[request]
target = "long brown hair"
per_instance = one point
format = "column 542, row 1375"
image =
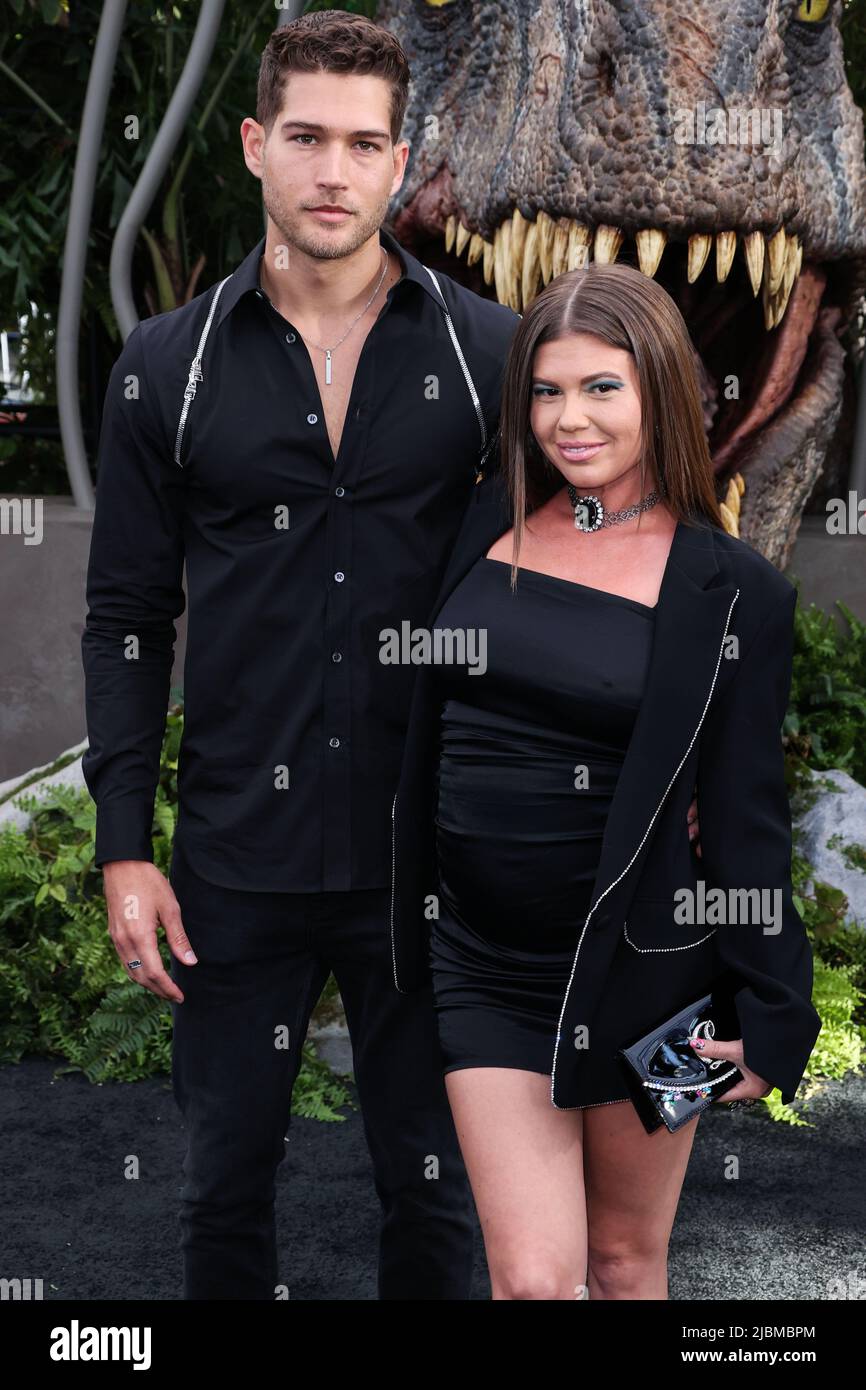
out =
column 631, row 311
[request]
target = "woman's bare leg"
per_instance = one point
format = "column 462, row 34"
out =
column 525, row 1163
column 633, row 1182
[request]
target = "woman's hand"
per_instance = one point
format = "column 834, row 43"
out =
column 694, row 828
column 752, row 1087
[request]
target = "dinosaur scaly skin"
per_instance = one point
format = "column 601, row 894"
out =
column 548, row 133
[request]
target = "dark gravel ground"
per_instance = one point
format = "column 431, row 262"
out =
column 791, row 1224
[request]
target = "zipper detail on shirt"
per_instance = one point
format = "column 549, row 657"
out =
column 634, row 856
column 462, row 360
column 195, row 373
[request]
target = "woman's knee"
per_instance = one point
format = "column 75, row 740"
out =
column 534, row 1276
column 626, row 1264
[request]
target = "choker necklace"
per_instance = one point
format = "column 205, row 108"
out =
column 590, row 515
column 328, row 350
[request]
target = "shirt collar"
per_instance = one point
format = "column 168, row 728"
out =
column 245, row 279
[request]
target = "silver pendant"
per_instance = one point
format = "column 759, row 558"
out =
column 327, row 366
column 588, row 513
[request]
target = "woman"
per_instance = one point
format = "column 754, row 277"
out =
column 633, row 650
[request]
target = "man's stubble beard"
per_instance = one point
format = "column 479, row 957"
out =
column 293, row 233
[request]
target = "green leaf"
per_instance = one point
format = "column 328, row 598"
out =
column 163, row 814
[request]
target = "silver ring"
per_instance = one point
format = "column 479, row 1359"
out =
column 134, row 964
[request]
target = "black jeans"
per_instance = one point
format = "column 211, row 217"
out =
column 263, row 960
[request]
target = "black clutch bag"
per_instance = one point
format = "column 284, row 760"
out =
column 671, row 1083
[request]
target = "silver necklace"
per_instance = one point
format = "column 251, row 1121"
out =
column 590, row 515
column 328, row 350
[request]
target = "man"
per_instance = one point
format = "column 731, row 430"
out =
column 313, row 478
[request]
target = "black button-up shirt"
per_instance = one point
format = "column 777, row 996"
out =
column 295, row 564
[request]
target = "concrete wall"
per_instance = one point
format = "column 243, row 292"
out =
column 43, row 608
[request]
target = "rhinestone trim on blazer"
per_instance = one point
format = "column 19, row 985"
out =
column 645, row 949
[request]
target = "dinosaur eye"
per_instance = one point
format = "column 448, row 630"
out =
column 812, row 11
column 437, row 4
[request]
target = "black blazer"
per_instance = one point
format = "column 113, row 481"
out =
column 707, row 719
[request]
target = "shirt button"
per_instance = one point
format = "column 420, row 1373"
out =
column 334, row 742
column 339, row 491
column 312, row 419
column 339, row 576
column 290, row 337
column 336, row 656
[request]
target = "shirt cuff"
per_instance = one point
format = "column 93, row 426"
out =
column 124, row 830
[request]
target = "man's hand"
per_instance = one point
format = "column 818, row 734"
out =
column 138, row 896
column 694, row 828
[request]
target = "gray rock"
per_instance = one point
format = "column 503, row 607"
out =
column 830, row 832
column 332, row 1044
column 37, row 782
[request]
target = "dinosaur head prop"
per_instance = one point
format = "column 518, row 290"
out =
column 717, row 147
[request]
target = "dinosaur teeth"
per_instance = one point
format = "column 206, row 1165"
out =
column 525, row 254
column 560, row 246
column 753, row 250
column 508, row 247
column 726, row 246
column 501, row 258
column 489, row 256
column 579, row 242
column 608, row 240
column 650, row 245
column 777, row 247
column 476, row 248
column 519, row 228
column 531, row 268
column 775, row 302
column 699, row 250
column 546, row 236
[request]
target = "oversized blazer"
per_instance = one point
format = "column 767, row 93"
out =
column 715, row 697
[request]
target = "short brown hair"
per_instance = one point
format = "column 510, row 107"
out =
column 331, row 41
column 631, row 311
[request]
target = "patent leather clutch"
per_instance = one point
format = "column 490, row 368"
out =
column 670, row 1082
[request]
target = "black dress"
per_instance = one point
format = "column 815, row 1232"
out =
column 530, row 752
